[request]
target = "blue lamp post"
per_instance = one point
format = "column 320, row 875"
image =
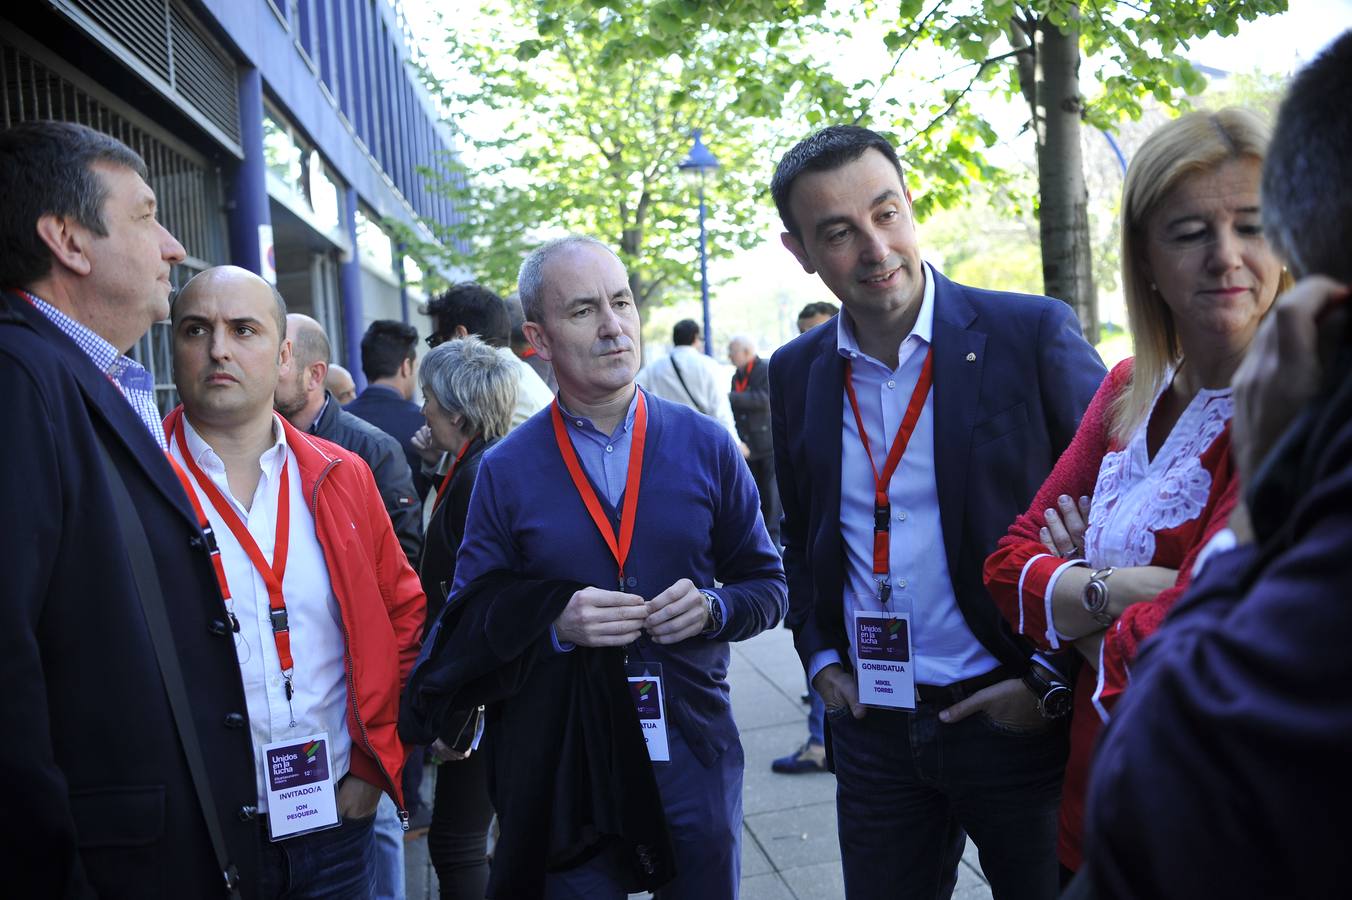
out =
column 696, row 163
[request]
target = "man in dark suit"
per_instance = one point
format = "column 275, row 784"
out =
column 893, row 494
column 750, row 399
column 389, row 354
column 99, row 797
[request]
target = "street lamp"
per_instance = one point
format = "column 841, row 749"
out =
column 696, row 163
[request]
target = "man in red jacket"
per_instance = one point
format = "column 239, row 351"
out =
column 325, row 607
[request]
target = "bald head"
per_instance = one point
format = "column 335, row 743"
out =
column 340, row 383
column 309, row 343
column 300, row 398
column 230, row 279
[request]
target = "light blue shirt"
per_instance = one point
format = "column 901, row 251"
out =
column 605, row 460
column 604, row 457
column 129, row 376
column 943, row 647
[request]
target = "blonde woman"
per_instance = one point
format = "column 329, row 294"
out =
column 1109, row 542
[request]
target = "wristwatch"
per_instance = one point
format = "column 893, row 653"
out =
column 1095, row 596
column 713, row 613
column 1053, row 695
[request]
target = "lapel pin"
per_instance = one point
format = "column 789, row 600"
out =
column 971, row 357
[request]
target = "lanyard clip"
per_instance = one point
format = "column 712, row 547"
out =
column 882, row 517
column 278, row 617
column 884, row 591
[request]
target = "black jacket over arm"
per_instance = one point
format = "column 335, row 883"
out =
column 568, row 765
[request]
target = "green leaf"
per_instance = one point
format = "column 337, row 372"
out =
column 528, row 50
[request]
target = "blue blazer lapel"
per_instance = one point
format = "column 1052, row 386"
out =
column 959, row 358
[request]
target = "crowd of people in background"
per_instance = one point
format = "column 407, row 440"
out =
column 1090, row 619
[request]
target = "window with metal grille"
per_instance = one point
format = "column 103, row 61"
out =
column 174, row 52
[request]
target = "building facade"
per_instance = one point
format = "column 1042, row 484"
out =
column 280, row 135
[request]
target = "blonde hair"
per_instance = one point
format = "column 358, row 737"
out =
column 1197, row 142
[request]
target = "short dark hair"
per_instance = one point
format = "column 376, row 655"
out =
column 828, row 149
column 385, row 346
column 819, row 308
column 46, row 169
column 479, row 310
column 685, row 333
column 1307, row 177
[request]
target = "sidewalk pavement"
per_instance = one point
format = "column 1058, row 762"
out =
column 789, row 846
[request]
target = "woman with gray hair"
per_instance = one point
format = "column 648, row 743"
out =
column 469, row 392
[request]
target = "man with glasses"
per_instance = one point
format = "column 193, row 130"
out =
column 469, row 308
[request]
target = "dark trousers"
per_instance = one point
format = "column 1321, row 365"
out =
column 335, row 864
column 910, row 788
column 763, row 473
column 704, row 809
column 458, row 841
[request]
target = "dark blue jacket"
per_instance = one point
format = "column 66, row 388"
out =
column 698, row 518
column 1012, row 377
column 1220, row 773
column 97, row 797
column 386, row 409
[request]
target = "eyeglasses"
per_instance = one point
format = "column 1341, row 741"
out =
column 435, row 339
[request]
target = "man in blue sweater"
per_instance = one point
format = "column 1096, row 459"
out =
column 652, row 504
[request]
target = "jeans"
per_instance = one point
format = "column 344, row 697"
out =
column 704, row 811
column 908, row 786
column 336, row 864
column 816, row 715
column 389, row 852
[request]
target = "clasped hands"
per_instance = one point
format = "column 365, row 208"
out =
column 595, row 617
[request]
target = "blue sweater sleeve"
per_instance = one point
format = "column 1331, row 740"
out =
column 754, row 593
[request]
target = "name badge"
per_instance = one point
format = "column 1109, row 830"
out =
column 301, row 795
column 645, row 686
column 883, row 645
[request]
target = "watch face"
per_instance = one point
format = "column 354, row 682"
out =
column 1057, row 702
column 1095, row 597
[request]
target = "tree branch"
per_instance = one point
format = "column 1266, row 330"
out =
column 965, row 91
column 918, row 28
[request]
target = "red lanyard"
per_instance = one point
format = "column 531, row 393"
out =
column 272, row 574
column 740, row 382
column 618, row 548
column 451, row 471
column 882, row 507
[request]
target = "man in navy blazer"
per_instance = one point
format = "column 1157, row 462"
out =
column 99, row 799
column 950, row 735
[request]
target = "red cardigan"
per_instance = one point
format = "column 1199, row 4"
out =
column 379, row 596
column 1018, row 572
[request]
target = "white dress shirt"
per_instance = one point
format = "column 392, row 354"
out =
column 319, row 679
column 706, row 381
column 532, row 394
column 943, row 647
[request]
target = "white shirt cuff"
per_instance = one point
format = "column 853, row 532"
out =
column 820, row 660
column 1054, row 636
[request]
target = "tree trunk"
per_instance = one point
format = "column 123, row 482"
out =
column 1067, row 255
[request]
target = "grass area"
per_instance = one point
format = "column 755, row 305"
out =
column 1114, row 348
